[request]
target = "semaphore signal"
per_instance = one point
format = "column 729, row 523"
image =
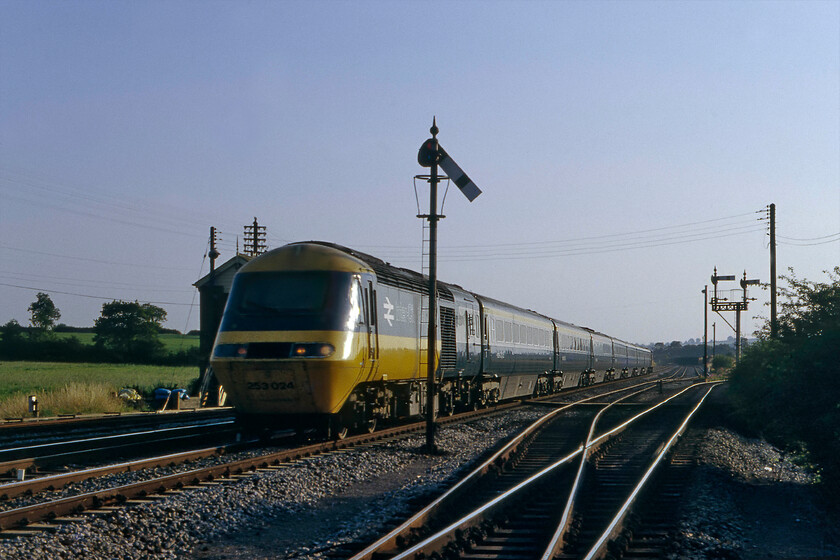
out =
column 432, row 155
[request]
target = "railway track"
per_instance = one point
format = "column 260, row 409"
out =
column 46, row 449
column 47, row 513
column 560, row 490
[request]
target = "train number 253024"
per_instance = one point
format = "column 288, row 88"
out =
column 276, row 386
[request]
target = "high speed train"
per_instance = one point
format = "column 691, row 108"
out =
column 316, row 335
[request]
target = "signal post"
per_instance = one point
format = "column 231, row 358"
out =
column 432, row 155
column 724, row 304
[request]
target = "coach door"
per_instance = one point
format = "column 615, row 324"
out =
column 372, row 325
column 469, row 360
column 371, row 333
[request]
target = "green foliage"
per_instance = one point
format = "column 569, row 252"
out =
column 128, row 331
column 789, row 388
column 44, row 313
column 722, row 361
column 684, row 354
column 75, row 346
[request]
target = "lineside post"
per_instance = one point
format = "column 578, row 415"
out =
column 432, row 155
column 705, row 330
column 432, row 338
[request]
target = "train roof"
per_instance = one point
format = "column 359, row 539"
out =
column 411, row 280
column 391, row 275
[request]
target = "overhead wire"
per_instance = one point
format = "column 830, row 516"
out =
column 796, row 244
column 594, row 251
column 74, row 200
column 92, row 296
column 610, row 235
column 654, row 237
column 88, row 259
column 86, row 283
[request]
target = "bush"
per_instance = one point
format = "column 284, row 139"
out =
column 722, row 361
column 788, row 388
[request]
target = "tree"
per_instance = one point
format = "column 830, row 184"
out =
column 44, row 312
column 13, row 345
column 129, row 330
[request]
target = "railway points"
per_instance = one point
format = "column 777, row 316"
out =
column 521, row 485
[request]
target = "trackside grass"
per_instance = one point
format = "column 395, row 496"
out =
column 68, row 388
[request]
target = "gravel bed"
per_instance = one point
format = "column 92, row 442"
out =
column 748, row 500
column 196, row 523
column 118, row 479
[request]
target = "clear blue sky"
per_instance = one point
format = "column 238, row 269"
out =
column 623, row 148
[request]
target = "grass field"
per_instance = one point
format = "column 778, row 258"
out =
column 65, row 388
column 172, row 342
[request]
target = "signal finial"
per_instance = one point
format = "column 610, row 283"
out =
column 434, row 129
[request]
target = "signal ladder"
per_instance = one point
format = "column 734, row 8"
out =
column 424, row 302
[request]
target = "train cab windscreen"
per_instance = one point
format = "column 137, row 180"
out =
column 297, row 300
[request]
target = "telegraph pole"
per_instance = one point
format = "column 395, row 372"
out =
column 774, row 325
column 254, row 239
column 213, row 254
column 705, row 330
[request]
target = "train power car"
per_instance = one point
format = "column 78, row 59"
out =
column 316, row 335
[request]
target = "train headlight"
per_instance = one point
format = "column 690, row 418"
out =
column 313, row 350
column 230, row 351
